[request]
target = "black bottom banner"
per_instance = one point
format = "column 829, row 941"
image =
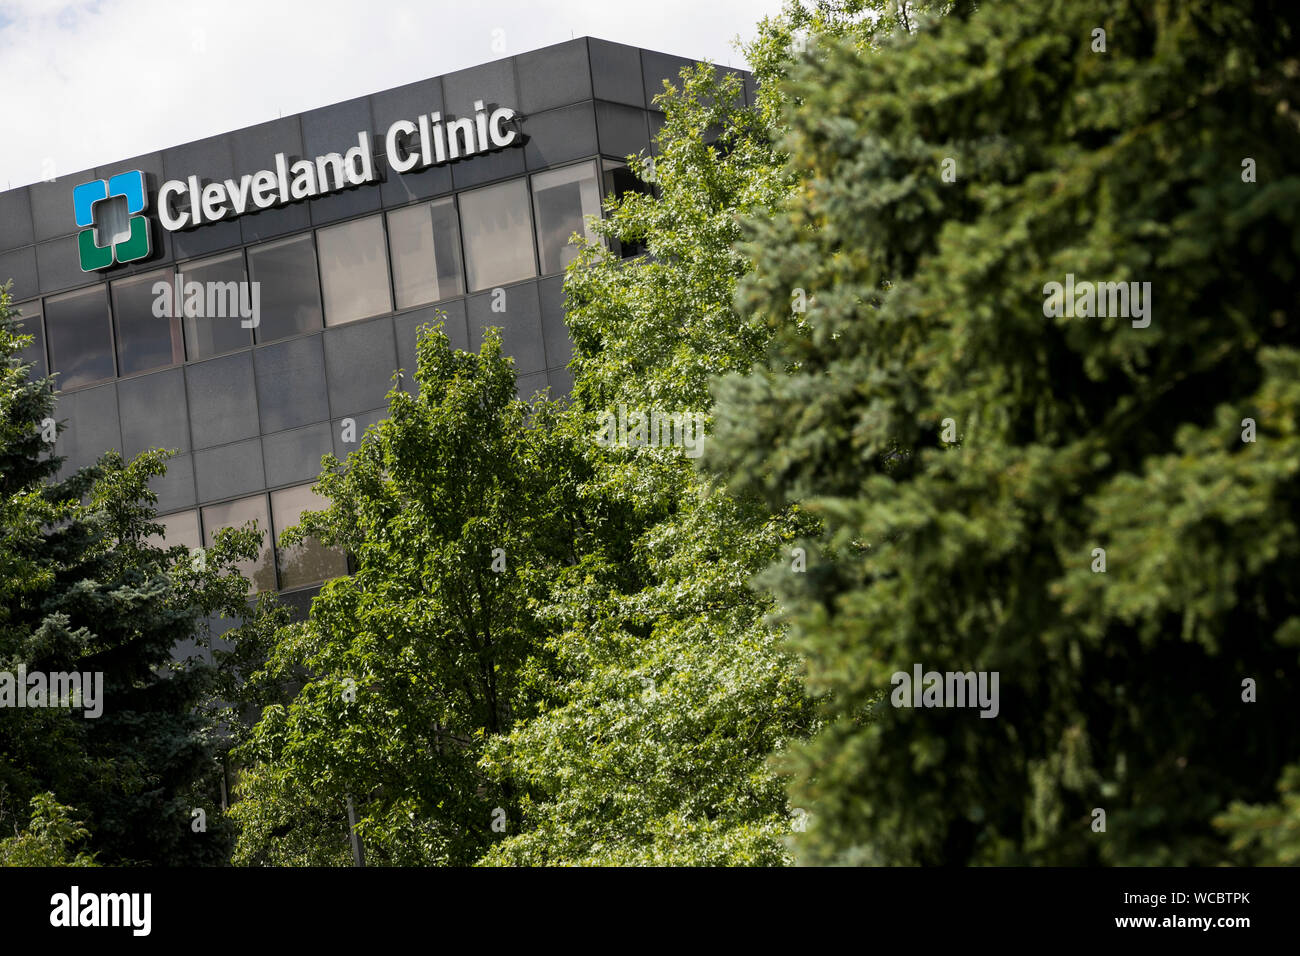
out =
column 131, row 906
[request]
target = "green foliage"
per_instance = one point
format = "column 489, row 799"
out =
column 672, row 695
column 457, row 508
column 803, row 27
column 49, row 839
column 1267, row 834
column 1119, row 690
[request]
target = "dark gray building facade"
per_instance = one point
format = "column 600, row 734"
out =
column 503, row 161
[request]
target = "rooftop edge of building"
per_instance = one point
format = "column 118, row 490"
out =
column 609, row 86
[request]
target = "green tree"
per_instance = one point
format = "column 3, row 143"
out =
column 50, row 838
column 84, row 588
column 457, row 508
column 967, row 453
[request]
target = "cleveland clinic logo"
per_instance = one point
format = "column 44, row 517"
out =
column 111, row 228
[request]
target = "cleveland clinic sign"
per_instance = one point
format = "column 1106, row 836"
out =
column 409, row 146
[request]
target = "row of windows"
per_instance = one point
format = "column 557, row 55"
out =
column 307, row 563
column 408, row 257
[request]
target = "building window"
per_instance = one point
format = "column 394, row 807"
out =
column 80, row 338
column 563, row 198
column 234, row 514
column 619, row 180
column 498, row 235
column 424, row 243
column 179, row 528
column 144, row 341
column 309, row 561
column 29, row 323
column 290, row 292
column 207, row 336
column 354, row 270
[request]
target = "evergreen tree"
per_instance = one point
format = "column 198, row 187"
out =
column 84, row 589
column 979, row 450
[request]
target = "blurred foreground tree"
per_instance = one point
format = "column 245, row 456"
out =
column 1100, row 506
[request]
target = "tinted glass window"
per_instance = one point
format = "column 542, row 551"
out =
column 498, row 235
column 29, row 323
column 425, row 245
column 144, row 340
column 209, row 334
column 79, row 335
column 354, row 270
column 234, row 514
column 563, row 198
column 290, row 294
column 179, row 528
column 619, row 180
column 308, row 562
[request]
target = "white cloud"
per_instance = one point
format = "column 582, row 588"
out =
column 89, row 83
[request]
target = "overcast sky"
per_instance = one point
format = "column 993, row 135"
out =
column 87, row 83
